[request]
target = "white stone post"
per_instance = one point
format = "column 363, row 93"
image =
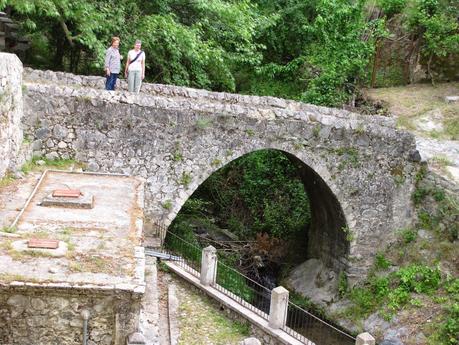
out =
column 209, row 266
column 278, row 308
column 365, row 339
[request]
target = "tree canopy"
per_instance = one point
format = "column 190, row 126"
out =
column 318, row 51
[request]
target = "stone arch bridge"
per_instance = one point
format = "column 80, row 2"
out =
column 358, row 170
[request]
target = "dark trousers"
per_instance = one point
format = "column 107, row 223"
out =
column 111, row 81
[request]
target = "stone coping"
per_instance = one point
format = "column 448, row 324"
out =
column 281, row 108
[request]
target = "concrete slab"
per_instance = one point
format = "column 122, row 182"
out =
column 85, row 201
column 101, row 243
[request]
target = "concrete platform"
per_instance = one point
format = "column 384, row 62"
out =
column 103, row 244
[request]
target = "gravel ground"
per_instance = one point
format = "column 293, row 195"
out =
column 201, row 322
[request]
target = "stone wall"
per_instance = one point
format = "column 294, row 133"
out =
column 42, row 316
column 358, row 170
column 11, row 110
column 438, row 200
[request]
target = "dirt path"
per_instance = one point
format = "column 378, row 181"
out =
column 422, row 110
column 200, row 319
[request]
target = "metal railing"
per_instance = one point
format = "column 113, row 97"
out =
column 304, row 326
column 300, row 324
column 190, row 254
column 243, row 290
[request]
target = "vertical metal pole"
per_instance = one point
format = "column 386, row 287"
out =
column 85, row 315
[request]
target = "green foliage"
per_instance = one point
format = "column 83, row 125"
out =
column 194, row 43
column 314, row 50
column 381, row 263
column 408, row 235
column 300, row 300
column 390, row 293
column 421, row 174
column 6, row 180
column 177, row 155
column 167, row 204
column 452, row 287
column 162, row 266
column 419, row 194
column 438, row 194
column 350, row 157
column 435, row 23
column 452, row 128
column 233, row 281
column 349, row 233
column 343, row 285
column 451, row 326
column 425, row 220
column 250, row 132
column 447, row 332
column 48, row 163
column 260, row 192
column 392, row 7
column 185, row 179
column 419, row 278
column 216, row 162
column 183, row 242
column 8, row 229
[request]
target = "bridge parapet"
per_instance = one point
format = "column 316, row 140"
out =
column 267, row 107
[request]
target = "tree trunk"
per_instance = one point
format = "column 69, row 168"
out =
column 430, row 71
column 412, row 58
column 375, row 64
column 58, row 60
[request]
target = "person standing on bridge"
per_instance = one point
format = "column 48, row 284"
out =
column 112, row 64
column 135, row 67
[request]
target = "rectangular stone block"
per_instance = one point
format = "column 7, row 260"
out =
column 85, row 201
column 42, row 243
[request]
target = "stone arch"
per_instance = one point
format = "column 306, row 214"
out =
column 327, row 236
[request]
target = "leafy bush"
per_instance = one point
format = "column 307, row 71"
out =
column 392, row 7
column 420, row 194
column 408, row 235
column 452, row 287
column 419, row 278
column 381, row 263
column 390, row 293
column 450, row 328
column 233, row 281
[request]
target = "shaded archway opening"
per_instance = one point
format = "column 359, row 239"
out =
column 328, row 232
column 233, row 211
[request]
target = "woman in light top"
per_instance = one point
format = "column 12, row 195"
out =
column 135, row 67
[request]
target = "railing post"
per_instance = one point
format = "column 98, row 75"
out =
column 278, row 307
column 209, row 266
column 365, row 339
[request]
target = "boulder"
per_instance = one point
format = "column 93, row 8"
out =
column 315, row 281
